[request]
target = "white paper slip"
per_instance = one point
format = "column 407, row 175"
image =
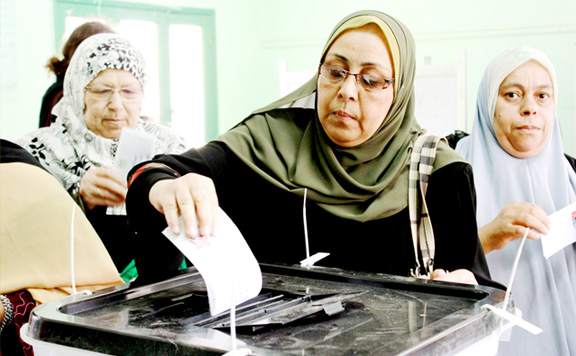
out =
column 227, row 265
column 310, row 261
column 562, row 231
column 514, row 319
column 116, row 210
column 135, row 146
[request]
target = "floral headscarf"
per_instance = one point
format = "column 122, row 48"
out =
column 94, row 55
column 68, row 148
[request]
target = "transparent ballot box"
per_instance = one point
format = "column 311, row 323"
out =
column 317, row 311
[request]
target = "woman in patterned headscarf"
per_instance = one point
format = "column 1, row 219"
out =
column 342, row 142
column 103, row 91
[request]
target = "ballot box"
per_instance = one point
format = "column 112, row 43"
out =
column 300, row 311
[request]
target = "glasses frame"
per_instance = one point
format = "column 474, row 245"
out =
column 324, row 66
column 101, row 97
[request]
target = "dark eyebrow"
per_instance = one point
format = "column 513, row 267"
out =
column 518, row 85
column 544, row 86
column 363, row 64
column 112, row 86
column 102, row 84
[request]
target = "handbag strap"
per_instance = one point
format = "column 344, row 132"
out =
column 421, row 163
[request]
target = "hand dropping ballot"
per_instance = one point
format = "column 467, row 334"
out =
column 229, row 269
column 562, row 231
column 135, row 146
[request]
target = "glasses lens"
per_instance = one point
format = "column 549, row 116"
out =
column 373, row 81
column 128, row 93
column 334, row 74
column 370, row 79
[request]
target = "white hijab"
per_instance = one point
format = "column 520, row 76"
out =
column 545, row 289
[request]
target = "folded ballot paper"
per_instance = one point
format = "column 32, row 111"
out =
column 227, row 265
column 562, row 231
column 135, row 146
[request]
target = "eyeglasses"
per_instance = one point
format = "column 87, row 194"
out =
column 105, row 93
column 369, row 79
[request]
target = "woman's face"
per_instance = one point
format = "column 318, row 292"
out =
column 349, row 113
column 524, row 111
column 112, row 101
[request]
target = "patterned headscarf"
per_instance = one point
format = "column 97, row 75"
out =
column 94, row 55
column 68, row 148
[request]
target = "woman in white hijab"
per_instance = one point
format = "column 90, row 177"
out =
column 521, row 175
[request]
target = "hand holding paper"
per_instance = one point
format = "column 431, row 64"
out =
column 102, row 186
column 229, row 269
column 562, row 231
column 134, row 147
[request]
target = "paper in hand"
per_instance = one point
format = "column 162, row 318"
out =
column 135, row 146
column 562, row 231
column 227, row 265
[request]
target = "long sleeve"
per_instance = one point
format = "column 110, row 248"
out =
column 451, row 198
column 271, row 219
column 188, row 162
column 157, row 258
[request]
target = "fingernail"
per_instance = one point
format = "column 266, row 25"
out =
column 192, row 232
column 206, row 232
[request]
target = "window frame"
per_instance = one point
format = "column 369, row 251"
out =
column 113, row 10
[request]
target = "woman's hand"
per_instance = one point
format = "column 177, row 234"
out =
column 457, row 276
column 193, row 197
column 102, row 186
column 511, row 223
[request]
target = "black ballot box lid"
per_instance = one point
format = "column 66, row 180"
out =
column 322, row 311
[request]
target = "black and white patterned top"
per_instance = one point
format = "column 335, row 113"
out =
column 68, row 151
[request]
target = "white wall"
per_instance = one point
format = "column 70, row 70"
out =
column 26, row 43
column 254, row 35
column 460, row 33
